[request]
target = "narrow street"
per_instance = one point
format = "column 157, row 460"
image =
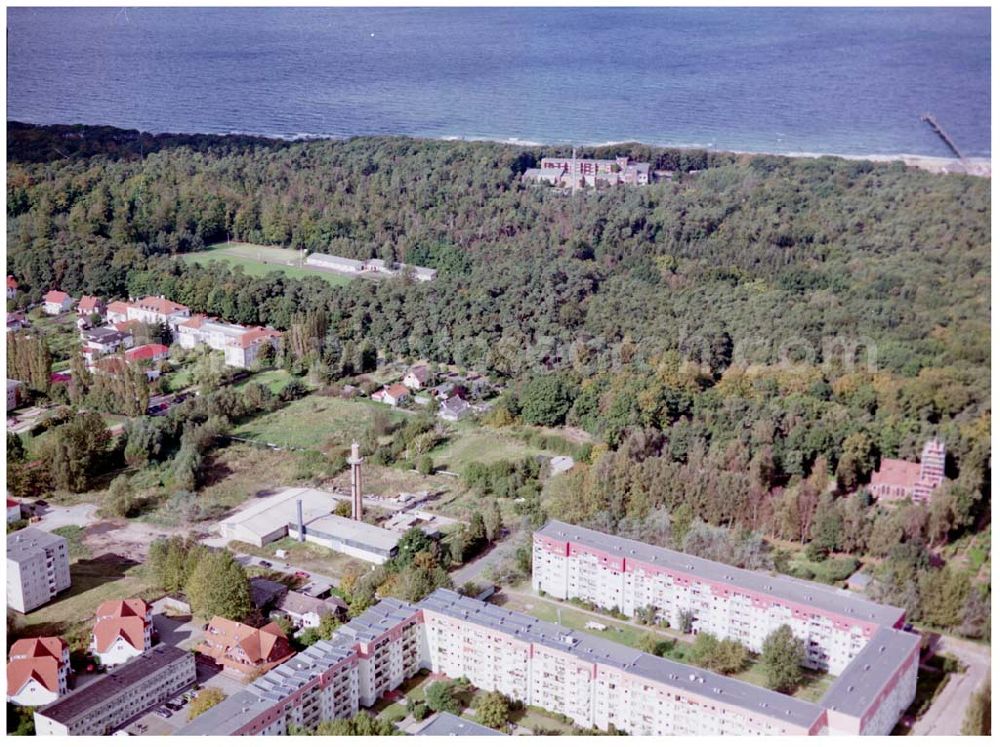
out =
column 946, row 713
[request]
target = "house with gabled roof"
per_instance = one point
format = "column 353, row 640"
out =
column 57, row 302
column 243, row 650
column 394, row 394
column 123, row 629
column 418, row 377
column 90, row 305
column 37, row 671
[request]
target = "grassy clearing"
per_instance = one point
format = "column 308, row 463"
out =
column 315, row 422
column 258, row 261
column 540, row 721
column 238, row 471
column 469, row 443
column 274, row 380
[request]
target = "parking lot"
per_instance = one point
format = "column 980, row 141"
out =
column 168, row 718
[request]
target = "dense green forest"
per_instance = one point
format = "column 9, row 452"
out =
column 591, row 305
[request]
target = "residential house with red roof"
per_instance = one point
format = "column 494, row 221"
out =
column 244, row 650
column 11, row 287
column 90, row 305
column 37, row 671
column 394, row 394
column 123, row 629
column 157, row 310
column 117, row 311
column 57, row 302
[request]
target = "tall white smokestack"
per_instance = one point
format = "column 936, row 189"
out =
column 302, row 525
column 357, row 508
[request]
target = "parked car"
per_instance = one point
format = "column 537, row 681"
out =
column 164, row 712
column 264, row 564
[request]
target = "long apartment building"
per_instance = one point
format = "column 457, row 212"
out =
column 37, row 568
column 593, row 681
column 101, row 706
column 571, row 562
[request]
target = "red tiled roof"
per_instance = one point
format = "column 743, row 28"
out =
column 11, row 283
column 122, row 608
column 397, row 390
column 60, row 376
column 89, row 303
column 160, row 305
column 36, row 647
column 55, row 296
column 146, row 352
column 267, row 645
column 44, row 670
column 10, row 504
column 896, row 472
column 254, row 334
column 117, row 307
column 194, row 322
column 126, row 326
column 132, row 629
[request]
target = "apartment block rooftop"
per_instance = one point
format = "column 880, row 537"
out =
column 378, row 620
column 864, row 678
column 791, row 590
column 112, row 685
column 24, row 544
column 600, row 651
column 270, row 689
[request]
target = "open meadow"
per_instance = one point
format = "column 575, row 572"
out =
column 258, row 260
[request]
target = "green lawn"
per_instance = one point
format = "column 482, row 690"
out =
column 94, row 581
column 274, row 380
column 60, row 333
column 259, row 261
column 314, row 421
column 468, row 442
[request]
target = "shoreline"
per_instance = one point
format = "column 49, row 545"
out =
column 974, row 166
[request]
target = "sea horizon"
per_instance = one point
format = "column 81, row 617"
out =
column 796, row 81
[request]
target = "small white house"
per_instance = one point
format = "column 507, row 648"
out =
column 57, row 302
column 395, row 395
column 417, row 378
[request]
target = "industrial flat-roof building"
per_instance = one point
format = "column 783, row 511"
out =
column 37, row 568
column 101, row 706
column 279, row 516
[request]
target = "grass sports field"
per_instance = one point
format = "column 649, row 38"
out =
column 258, row 260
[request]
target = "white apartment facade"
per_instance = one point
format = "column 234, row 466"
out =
column 37, row 568
column 240, row 345
column 101, row 706
column 577, row 563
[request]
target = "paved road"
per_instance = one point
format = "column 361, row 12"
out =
column 55, row 517
column 946, row 713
